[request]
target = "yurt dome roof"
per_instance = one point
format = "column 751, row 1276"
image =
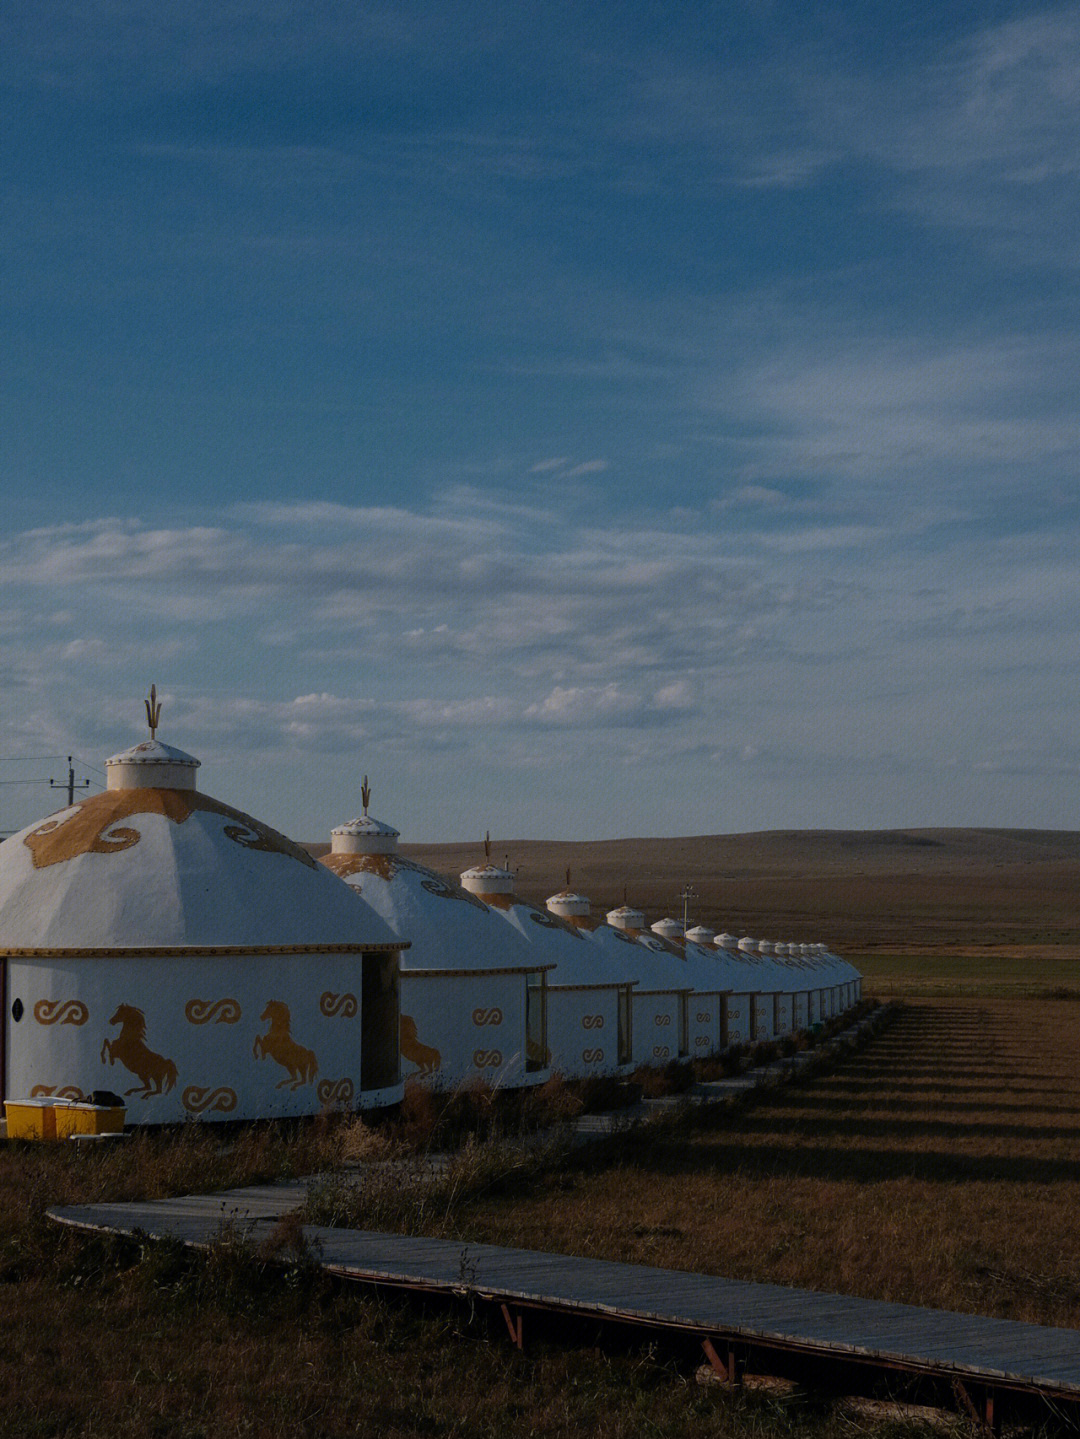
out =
column 153, row 864
column 700, row 934
column 450, row 929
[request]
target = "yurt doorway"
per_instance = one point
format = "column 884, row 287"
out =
column 380, row 1022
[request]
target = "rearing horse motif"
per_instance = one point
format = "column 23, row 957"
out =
column 278, row 1044
column 158, row 1074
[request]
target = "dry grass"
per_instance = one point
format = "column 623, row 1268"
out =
column 938, row 1167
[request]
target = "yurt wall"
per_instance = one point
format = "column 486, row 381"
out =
column 240, row 1036
column 800, row 1010
column 465, row 1026
column 584, row 1029
column 783, row 1021
column 762, row 1016
column 737, row 1018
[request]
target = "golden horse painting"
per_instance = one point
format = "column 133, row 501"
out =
column 426, row 1058
column 278, row 1044
column 157, row 1075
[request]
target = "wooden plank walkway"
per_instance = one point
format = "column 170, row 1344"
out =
column 993, row 1354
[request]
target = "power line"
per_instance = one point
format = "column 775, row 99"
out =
column 36, row 758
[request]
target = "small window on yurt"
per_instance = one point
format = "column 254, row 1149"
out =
column 380, row 1023
column 536, row 1046
column 625, row 1027
column 684, row 1025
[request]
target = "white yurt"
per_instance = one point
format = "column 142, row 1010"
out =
column 788, row 955
column 846, row 982
column 704, row 1010
column 586, row 1002
column 777, row 991
column 660, row 1005
column 473, row 993
column 158, row 943
column 590, row 995
column 739, row 980
column 761, row 997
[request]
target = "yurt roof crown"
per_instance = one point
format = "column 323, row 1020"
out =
column 625, row 917
column 488, row 878
column 668, row 929
column 568, row 904
column 364, row 835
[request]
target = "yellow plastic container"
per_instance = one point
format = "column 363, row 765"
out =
column 85, row 1118
column 32, row 1118
column 61, row 1118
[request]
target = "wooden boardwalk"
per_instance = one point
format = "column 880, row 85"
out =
column 981, row 1357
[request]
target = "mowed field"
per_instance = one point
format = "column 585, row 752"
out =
column 939, row 1166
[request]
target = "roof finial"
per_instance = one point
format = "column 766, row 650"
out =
column 153, row 711
column 487, row 845
column 568, row 876
column 365, row 795
column 624, row 896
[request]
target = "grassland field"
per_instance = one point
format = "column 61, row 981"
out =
column 940, row 1165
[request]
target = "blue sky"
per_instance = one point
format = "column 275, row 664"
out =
column 660, row 420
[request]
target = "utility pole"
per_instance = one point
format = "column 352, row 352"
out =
column 69, row 784
column 689, row 893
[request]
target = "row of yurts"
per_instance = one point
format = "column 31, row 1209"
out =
column 154, row 930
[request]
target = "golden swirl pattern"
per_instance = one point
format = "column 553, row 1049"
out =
column 93, row 825
column 217, row 1011
column 487, row 1016
column 704, row 1017
column 592, row 1021
column 335, row 1091
column 66, row 1091
column 197, row 1100
column 61, row 1011
column 487, row 1058
column 332, row 1004
column 662, row 1019
column 701, row 1041
column 660, row 1051
column 592, row 1056
column 438, row 887
column 547, row 920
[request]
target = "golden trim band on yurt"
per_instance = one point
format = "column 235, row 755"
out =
column 614, row 984
column 474, row 973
